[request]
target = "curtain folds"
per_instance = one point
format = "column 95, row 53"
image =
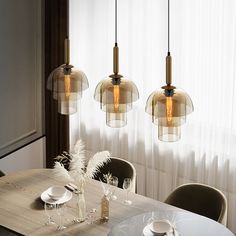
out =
column 203, row 47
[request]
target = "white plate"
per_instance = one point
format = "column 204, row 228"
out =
column 147, row 232
column 45, row 198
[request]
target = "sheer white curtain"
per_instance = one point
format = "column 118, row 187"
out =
column 203, row 47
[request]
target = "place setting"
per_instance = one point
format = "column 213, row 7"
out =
column 55, row 199
column 56, row 195
column 160, row 228
column 161, row 223
column 154, row 223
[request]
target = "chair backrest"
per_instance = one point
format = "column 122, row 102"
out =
column 120, row 168
column 201, row 199
column 1, row 173
column 8, row 232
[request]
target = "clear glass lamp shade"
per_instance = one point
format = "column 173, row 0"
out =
column 116, row 120
column 116, row 100
column 169, row 112
column 67, row 88
column 169, row 134
column 67, row 107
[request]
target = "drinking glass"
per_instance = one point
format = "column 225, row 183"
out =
column 114, row 182
column 149, row 218
column 61, row 209
column 50, row 212
column 127, row 186
column 91, row 216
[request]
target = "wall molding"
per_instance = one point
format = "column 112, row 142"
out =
column 22, row 123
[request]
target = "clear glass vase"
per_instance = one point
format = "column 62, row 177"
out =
column 81, row 206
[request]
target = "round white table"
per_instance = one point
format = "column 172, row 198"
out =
column 186, row 224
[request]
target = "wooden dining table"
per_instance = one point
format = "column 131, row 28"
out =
column 22, row 210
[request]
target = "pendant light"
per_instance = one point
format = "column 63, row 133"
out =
column 67, row 83
column 169, row 106
column 115, row 93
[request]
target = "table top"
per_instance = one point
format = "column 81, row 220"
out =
column 184, row 223
column 22, row 210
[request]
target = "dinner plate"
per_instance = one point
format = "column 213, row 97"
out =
column 147, row 232
column 45, row 198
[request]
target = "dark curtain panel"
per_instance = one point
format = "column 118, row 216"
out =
column 56, row 30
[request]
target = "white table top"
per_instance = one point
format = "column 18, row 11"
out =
column 22, row 211
column 185, row 223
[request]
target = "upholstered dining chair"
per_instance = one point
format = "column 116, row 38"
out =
column 7, row 232
column 1, row 173
column 201, row 199
column 121, row 169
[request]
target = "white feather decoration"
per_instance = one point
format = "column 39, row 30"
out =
column 77, row 163
column 97, row 161
column 78, row 171
column 60, row 171
column 79, row 147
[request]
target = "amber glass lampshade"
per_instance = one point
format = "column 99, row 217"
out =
column 169, row 106
column 116, row 94
column 169, row 109
column 116, row 97
column 67, row 85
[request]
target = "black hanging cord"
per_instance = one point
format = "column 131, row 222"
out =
column 115, row 22
column 67, row 19
column 168, row 27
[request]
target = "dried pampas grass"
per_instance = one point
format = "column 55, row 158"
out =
column 60, row 171
column 97, row 161
column 75, row 163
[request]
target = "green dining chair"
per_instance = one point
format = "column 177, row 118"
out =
column 121, row 169
column 201, row 199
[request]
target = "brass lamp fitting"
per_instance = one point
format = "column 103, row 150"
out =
column 116, row 76
column 67, row 51
column 168, row 85
column 115, row 59
column 168, row 69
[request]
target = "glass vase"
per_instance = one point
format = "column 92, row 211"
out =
column 81, row 206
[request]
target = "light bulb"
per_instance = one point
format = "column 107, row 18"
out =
column 67, row 86
column 116, row 94
column 169, row 110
